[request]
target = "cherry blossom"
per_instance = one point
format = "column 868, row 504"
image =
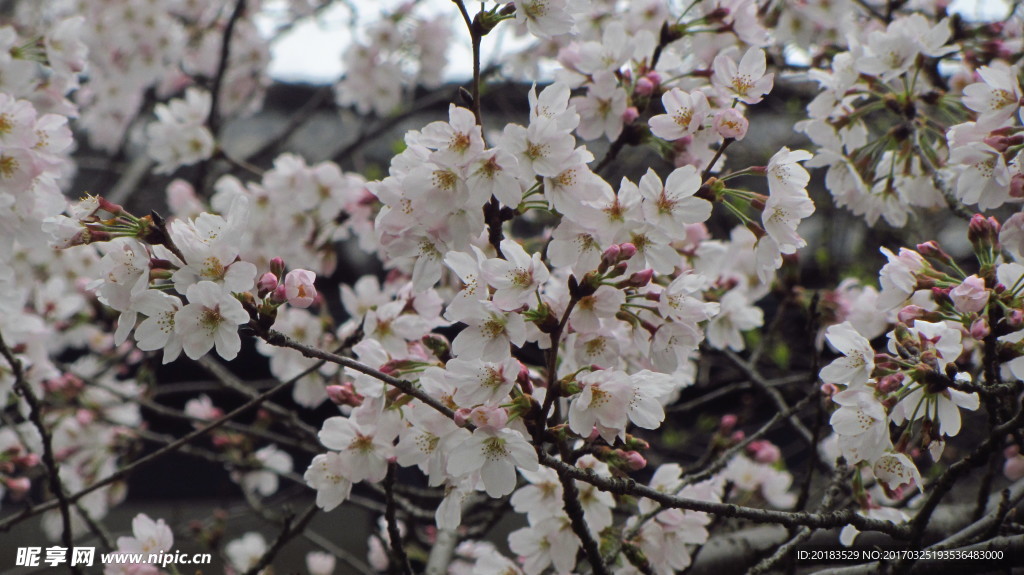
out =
column 514, row 278
column 748, row 82
column 495, row 454
column 211, row 318
column 858, row 360
column 684, row 114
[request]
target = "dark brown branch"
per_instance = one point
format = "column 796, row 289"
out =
column 400, row 561
column 573, row 508
column 828, row 520
column 476, row 36
column 949, row 478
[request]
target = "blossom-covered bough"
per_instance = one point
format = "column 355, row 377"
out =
column 542, row 333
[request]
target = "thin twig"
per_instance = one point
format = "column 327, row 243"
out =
column 828, row 520
column 35, row 415
column 127, row 469
column 780, row 402
column 222, row 67
column 294, row 123
column 475, row 37
column 289, row 530
column 350, row 558
column 279, row 339
column 785, row 550
column 224, row 375
column 948, row 479
column 728, row 454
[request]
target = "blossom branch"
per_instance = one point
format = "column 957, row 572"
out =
column 35, row 415
column 279, row 339
column 789, row 519
column 552, row 358
column 713, row 468
column 950, row 476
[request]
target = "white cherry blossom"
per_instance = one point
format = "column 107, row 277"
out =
column 211, row 318
column 495, row 454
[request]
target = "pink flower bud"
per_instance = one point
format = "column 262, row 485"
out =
column 931, row 249
column 890, row 383
column 299, row 289
column 908, row 314
column 999, row 143
column 489, row 417
column 523, row 379
column 829, row 389
column 110, row 207
column 277, row 267
column 611, row 255
column 18, row 486
column 1016, row 318
column 644, row 86
column 1013, row 469
column 626, row 251
column 28, row 460
column 1017, row 186
column 634, row 460
column 980, row 329
column 85, row 416
column 737, row 436
column 638, row 279
column 982, row 231
column 462, row 416
column 267, row 284
column 730, row 123
column 767, row 452
column 727, row 423
column 280, row 294
column 970, row 296
column 629, row 115
column 344, row 394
